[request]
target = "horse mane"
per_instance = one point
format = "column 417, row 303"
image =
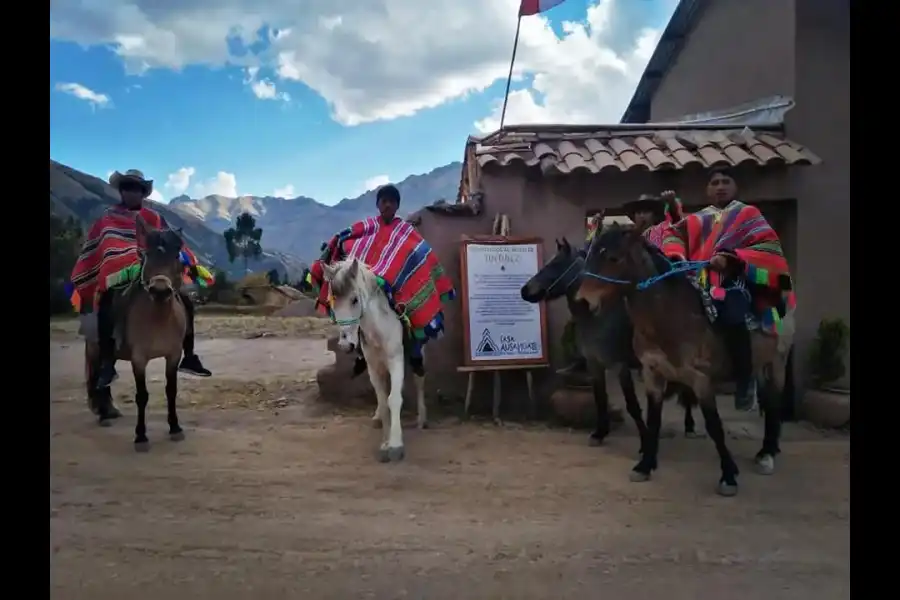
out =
column 661, row 262
column 343, row 283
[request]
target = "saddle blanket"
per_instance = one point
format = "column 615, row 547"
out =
column 407, row 268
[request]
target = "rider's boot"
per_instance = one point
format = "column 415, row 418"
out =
column 579, row 366
column 416, row 362
column 737, row 338
column 190, row 362
column 106, row 371
column 359, row 365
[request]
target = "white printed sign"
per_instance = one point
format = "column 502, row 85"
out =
column 502, row 326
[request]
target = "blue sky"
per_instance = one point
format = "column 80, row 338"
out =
column 169, row 101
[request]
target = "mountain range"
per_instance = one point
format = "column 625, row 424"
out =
column 293, row 228
column 298, row 226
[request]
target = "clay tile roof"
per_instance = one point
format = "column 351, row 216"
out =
column 651, row 148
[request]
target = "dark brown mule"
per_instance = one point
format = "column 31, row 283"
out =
column 675, row 342
column 154, row 324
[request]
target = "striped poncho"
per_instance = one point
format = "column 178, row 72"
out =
column 742, row 230
column 110, row 254
column 656, row 234
column 405, row 265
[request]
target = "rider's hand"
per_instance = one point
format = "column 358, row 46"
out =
column 667, row 196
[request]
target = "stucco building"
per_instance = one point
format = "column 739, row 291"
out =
column 762, row 86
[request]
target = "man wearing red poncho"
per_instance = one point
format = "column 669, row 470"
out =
column 110, row 248
column 748, row 277
column 413, row 279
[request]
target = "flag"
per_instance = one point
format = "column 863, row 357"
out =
column 533, row 7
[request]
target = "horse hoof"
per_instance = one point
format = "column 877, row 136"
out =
column 376, row 423
column 727, row 489
column 142, row 446
column 178, row 436
column 383, row 455
column 639, row 477
column 396, row 454
column 107, row 422
column 113, row 413
column 765, row 464
column 693, row 435
column 596, row 439
column 423, row 425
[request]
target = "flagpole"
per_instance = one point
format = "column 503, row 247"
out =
column 512, row 62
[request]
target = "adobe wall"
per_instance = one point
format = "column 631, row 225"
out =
column 549, row 208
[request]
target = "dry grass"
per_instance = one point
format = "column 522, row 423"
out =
column 227, row 326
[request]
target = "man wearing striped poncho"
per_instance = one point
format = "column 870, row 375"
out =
column 412, row 278
column 748, row 277
column 110, row 258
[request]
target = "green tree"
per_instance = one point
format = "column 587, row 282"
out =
column 65, row 245
column 243, row 240
column 274, row 277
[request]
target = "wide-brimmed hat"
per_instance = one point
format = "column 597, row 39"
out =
column 131, row 175
column 645, row 203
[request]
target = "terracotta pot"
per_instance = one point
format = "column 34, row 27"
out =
column 826, row 408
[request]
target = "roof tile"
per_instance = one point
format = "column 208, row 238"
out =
column 651, row 149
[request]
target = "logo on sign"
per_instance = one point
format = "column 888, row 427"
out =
column 508, row 346
column 487, row 345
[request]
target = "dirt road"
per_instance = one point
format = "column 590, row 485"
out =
column 287, row 501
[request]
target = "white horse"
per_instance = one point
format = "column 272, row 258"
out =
column 360, row 304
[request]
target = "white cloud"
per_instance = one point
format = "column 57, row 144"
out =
column 285, row 192
column 155, row 195
column 95, row 99
column 376, row 182
column 264, row 89
column 223, row 184
column 382, row 59
column 179, row 181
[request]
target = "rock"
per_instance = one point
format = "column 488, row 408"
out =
column 302, row 307
column 337, row 387
column 826, row 409
column 574, row 407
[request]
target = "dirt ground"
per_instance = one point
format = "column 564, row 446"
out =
column 274, row 495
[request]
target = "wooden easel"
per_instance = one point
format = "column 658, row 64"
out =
column 501, row 228
column 495, row 370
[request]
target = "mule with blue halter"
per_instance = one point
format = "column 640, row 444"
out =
column 675, row 341
column 604, row 338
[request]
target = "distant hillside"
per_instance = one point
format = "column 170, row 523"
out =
column 299, row 225
column 84, row 197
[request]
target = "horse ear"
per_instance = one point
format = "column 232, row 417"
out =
column 141, row 229
column 566, row 244
column 354, row 268
column 558, row 244
column 328, row 272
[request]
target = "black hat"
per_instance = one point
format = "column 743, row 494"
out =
column 645, row 203
column 389, row 192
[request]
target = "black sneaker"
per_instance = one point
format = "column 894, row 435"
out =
column 192, row 365
column 359, row 366
column 106, row 374
column 417, row 365
column 579, row 366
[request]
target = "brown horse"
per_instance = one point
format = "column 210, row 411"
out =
column 151, row 323
column 676, row 342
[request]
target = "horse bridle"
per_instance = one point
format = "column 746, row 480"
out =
column 578, row 260
column 148, row 284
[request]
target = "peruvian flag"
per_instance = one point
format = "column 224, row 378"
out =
column 533, row 7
